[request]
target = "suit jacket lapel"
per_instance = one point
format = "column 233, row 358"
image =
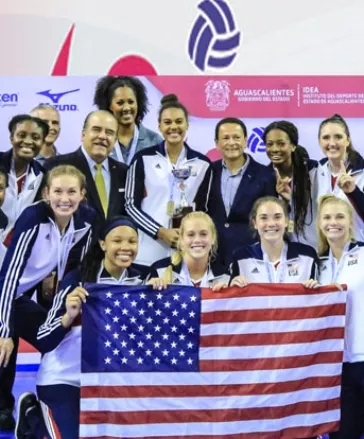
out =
column 244, row 187
column 114, row 196
column 92, row 193
column 218, row 173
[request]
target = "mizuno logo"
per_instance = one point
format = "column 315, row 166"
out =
column 55, row 97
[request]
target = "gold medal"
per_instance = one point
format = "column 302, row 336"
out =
column 170, row 208
column 290, row 226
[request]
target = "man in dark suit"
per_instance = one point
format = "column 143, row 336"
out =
column 238, row 181
column 105, row 177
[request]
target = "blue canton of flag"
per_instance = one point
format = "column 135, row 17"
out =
column 137, row 329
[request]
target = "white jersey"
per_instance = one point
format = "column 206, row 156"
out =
column 180, row 275
column 151, row 188
column 297, row 264
column 349, row 271
column 15, row 202
column 356, row 198
column 61, row 362
column 36, row 249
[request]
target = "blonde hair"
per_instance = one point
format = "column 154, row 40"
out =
column 68, row 170
column 323, row 245
column 177, row 257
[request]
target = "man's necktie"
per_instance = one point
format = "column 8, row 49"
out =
column 101, row 187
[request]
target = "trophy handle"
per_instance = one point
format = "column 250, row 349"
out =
column 177, row 219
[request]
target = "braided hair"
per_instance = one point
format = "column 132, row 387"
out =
column 301, row 183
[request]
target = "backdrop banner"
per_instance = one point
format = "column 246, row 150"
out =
column 257, row 100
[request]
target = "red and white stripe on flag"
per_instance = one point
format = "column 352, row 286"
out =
column 270, row 367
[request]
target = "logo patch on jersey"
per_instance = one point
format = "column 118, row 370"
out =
column 352, row 261
column 158, row 166
column 193, row 171
column 31, row 187
column 176, row 281
column 255, row 270
column 292, row 270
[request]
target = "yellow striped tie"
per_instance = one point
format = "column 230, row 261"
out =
column 101, row 187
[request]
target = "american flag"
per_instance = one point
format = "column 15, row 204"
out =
column 263, row 362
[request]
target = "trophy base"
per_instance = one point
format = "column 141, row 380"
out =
column 177, row 218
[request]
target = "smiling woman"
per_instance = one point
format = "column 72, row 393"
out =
column 65, row 189
column 274, row 259
column 196, row 261
column 27, row 135
column 295, row 178
column 126, row 98
column 49, row 237
column 109, row 261
column 341, row 172
column 153, row 193
column 342, row 262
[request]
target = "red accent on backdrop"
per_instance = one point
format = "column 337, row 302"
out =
column 132, row 65
column 61, row 65
column 25, row 347
column 125, row 65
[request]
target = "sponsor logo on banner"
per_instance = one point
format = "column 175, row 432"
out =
column 217, row 95
column 264, row 94
column 255, row 140
column 214, row 39
column 56, row 97
column 9, row 99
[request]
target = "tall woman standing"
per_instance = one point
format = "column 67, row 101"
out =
column 49, row 236
column 342, row 262
column 25, row 174
column 296, row 179
column 152, row 189
column 126, row 98
column 341, row 172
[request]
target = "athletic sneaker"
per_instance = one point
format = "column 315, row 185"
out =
column 27, row 403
